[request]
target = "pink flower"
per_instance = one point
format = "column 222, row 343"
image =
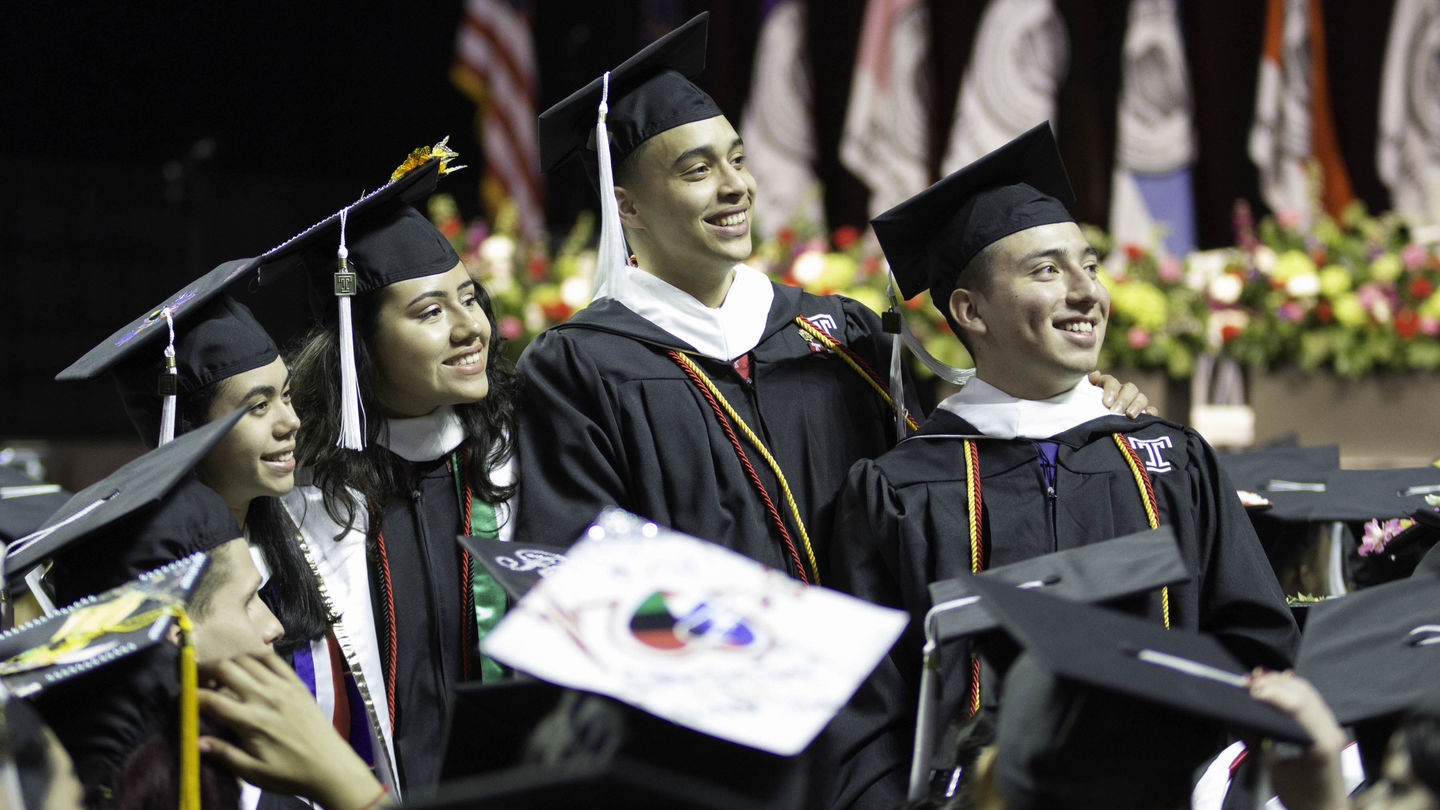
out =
column 1429, row 326
column 511, row 328
column 1378, row 535
column 1288, row 218
column 1413, row 255
column 1291, row 311
column 1169, row 269
column 1138, row 337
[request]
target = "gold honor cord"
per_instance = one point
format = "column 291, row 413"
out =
column 699, row 375
column 54, row 652
column 844, row 353
column 1152, row 513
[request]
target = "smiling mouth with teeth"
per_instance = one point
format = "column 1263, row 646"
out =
column 734, row 219
column 280, row 457
column 466, row 360
column 1080, row 327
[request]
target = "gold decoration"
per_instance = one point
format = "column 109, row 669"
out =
column 419, row 157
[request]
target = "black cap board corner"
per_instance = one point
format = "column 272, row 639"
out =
column 648, row 93
column 1139, row 658
column 929, row 238
column 135, row 487
column 25, row 503
column 1112, row 569
column 518, row 567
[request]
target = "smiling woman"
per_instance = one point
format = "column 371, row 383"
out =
column 437, row 395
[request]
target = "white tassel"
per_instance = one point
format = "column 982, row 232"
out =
column 352, row 432
column 169, row 384
column 610, row 260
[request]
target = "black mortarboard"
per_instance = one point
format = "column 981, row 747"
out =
column 516, row 566
column 1253, row 470
column 376, row 241
column 25, row 503
column 563, row 748
column 1373, row 654
column 105, row 672
column 1182, row 670
column 1099, row 572
column 648, row 93
column 209, row 335
column 123, row 530
column 931, row 237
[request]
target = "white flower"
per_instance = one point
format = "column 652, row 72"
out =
column 498, row 249
column 1304, row 285
column 1225, row 288
column 808, row 266
column 575, row 291
column 1204, row 266
column 1264, row 259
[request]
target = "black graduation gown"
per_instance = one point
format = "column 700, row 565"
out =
column 903, row 523
column 419, row 528
column 606, row 417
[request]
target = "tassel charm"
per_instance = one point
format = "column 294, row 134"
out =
column 168, row 385
column 352, row 433
column 610, row 259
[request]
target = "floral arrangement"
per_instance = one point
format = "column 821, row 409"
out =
column 1379, row 533
column 1350, row 295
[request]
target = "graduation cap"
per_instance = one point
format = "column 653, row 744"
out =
column 376, row 241
column 25, row 503
column 1373, row 654
column 149, row 512
column 931, row 237
column 1125, row 566
column 606, row 121
column 553, row 747
column 518, row 567
column 105, row 673
column 195, row 337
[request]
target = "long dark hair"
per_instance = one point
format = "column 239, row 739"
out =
column 291, row 592
column 375, row 473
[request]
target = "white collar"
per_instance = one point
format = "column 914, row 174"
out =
column 424, row 438
column 724, row 332
column 995, row 413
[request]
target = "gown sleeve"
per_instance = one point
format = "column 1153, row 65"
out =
column 571, row 466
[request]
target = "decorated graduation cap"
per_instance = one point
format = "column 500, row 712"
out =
column 605, row 121
column 1114, row 569
column 106, row 675
column 518, row 567
column 146, row 514
column 25, row 503
column 194, row 338
column 1373, row 655
column 931, row 237
column 376, row 241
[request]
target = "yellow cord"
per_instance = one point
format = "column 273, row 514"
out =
column 189, row 715
column 764, row 453
column 1152, row 513
column 829, row 343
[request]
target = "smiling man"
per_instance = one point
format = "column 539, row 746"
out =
column 1028, row 442
column 693, row 390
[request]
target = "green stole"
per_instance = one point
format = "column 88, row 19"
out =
column 490, row 599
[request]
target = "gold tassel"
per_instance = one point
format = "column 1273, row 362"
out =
column 189, row 717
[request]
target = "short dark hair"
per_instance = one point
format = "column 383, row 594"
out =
column 217, row 573
column 975, row 275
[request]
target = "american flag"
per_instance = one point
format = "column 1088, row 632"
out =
column 495, row 66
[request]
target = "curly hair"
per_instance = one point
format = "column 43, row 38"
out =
column 375, row 473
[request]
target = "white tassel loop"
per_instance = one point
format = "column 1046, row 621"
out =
column 169, row 383
column 352, row 432
column 610, row 260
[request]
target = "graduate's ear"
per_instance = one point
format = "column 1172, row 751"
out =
column 629, row 211
column 965, row 311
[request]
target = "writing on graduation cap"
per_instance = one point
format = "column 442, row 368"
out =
column 1154, row 461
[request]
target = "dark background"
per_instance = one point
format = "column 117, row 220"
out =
column 143, row 143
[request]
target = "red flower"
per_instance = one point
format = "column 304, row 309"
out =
column 1319, row 256
column 870, row 265
column 1229, row 332
column 845, row 236
column 1324, row 311
column 1407, row 323
column 537, row 266
column 451, row 227
column 1133, row 251
column 556, row 311
column 786, row 235
column 1420, row 288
